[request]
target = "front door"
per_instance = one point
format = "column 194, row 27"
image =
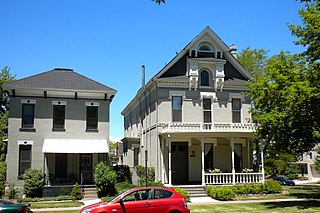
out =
column 86, row 168
column 179, row 162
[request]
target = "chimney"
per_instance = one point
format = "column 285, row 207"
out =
column 143, row 76
column 233, row 50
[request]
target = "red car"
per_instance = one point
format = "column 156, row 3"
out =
column 143, row 200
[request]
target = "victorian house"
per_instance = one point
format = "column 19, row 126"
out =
column 191, row 120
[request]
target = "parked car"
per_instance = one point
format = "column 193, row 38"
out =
column 143, row 200
column 284, row 181
column 8, row 207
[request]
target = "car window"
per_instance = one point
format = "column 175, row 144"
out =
column 137, row 195
column 161, row 194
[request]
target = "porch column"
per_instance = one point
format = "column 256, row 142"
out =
column 170, row 172
column 202, row 162
column 262, row 162
column 161, row 161
column 232, row 161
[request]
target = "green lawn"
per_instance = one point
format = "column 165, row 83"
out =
column 287, row 206
column 309, row 192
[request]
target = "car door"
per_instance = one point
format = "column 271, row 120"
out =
column 162, row 201
column 137, row 204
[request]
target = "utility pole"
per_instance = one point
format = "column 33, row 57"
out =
column 146, row 166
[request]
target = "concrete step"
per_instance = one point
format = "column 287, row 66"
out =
column 89, row 193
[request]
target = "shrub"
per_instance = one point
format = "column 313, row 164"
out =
column 33, row 182
column 183, row 192
column 121, row 187
column 155, row 184
column 12, row 191
column 209, row 189
column 105, row 179
column 123, row 173
column 43, row 199
column 64, row 191
column 141, row 172
column 3, row 168
column 249, row 188
column 271, row 187
column 223, row 193
column 76, row 191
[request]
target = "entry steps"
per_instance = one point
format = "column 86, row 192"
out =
column 89, row 192
column 195, row 190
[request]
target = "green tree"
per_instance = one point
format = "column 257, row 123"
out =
column 281, row 105
column 317, row 159
column 5, row 77
column 254, row 61
column 34, row 180
column 105, row 178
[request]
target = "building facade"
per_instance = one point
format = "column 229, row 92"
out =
column 58, row 122
column 191, row 120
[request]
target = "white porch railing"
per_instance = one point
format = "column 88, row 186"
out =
column 206, row 127
column 227, row 178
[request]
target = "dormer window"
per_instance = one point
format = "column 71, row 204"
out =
column 204, row 78
column 205, row 48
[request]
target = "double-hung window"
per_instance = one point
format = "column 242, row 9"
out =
column 236, row 110
column 58, row 117
column 207, row 115
column 27, row 116
column 24, row 158
column 176, row 109
column 92, row 117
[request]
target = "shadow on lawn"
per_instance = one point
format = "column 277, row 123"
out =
column 309, row 192
column 305, row 204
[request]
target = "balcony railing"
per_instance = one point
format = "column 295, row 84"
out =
column 206, row 127
column 227, row 178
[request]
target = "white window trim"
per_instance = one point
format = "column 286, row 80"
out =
column 177, row 93
column 28, row 101
column 25, row 142
column 92, row 103
column 59, row 103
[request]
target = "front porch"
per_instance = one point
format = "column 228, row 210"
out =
column 218, row 154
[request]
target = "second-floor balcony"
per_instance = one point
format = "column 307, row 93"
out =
column 171, row 127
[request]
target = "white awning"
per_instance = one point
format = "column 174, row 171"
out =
column 75, row 146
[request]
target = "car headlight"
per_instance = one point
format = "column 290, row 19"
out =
column 86, row 211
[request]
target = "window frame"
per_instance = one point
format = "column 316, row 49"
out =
column 94, row 119
column 207, row 110
column 204, row 80
column 24, row 117
column 176, row 113
column 236, row 112
column 55, row 118
column 23, row 147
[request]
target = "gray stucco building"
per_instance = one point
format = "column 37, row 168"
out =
column 191, row 120
column 59, row 122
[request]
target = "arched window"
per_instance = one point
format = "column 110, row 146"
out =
column 204, row 78
column 205, row 48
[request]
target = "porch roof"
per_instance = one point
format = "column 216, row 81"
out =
column 59, row 145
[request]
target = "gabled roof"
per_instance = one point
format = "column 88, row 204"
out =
column 218, row 41
column 59, row 78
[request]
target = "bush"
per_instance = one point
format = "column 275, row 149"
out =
column 271, row 187
column 123, row 173
column 45, row 199
column 141, row 172
column 223, row 193
column 183, row 192
column 64, row 191
column 33, row 182
column 3, row 169
column 76, row 191
column 12, row 191
column 209, row 189
column 155, row 184
column 105, row 179
column 121, row 187
column 250, row 188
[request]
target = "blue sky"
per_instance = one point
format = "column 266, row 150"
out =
column 109, row 40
